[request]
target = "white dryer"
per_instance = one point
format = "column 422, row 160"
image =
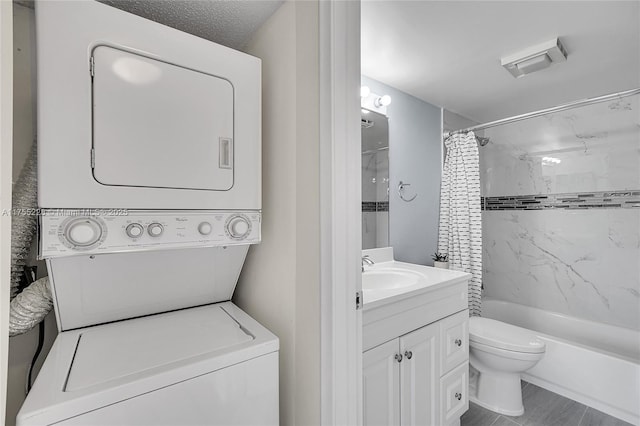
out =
column 149, row 181
column 134, row 114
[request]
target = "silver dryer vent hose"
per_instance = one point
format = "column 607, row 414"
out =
column 24, row 220
column 30, row 307
column 34, row 303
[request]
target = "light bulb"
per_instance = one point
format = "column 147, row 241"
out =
column 364, row 91
column 383, row 101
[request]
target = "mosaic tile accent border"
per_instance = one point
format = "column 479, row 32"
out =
column 570, row 201
column 375, row 206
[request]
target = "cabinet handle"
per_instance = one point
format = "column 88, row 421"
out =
column 458, row 342
column 399, row 357
column 408, row 354
column 458, row 396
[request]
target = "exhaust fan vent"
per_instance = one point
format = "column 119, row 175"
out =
column 535, row 58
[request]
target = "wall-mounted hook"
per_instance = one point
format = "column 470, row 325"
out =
column 401, row 188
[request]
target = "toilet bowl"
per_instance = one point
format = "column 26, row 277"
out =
column 500, row 352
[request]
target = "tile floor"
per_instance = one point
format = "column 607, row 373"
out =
column 541, row 408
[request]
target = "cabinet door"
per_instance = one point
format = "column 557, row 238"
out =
column 420, row 377
column 454, row 394
column 381, row 385
column 454, row 341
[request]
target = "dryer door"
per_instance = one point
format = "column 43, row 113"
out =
column 160, row 125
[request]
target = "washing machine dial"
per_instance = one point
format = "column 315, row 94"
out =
column 134, row 230
column 238, row 227
column 205, row 228
column 155, row 229
column 82, row 233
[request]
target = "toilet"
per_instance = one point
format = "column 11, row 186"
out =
column 500, row 352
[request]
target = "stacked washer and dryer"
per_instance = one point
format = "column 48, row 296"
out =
column 149, row 168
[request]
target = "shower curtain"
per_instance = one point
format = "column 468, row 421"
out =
column 460, row 230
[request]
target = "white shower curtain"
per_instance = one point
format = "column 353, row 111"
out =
column 460, row 230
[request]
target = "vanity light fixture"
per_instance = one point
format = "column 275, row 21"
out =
column 535, row 58
column 382, row 101
column 373, row 102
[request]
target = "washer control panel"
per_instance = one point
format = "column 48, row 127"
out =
column 73, row 232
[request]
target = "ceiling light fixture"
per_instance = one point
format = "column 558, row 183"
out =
column 364, row 91
column 535, row 58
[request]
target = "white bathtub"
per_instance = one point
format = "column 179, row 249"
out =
column 592, row 363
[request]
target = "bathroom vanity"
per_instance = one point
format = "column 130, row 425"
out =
column 415, row 342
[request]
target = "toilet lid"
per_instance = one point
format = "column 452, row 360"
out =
column 504, row 336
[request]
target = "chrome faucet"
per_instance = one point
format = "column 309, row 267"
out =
column 367, row 260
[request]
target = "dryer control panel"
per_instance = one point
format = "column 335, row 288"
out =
column 96, row 231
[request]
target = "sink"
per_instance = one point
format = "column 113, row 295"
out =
column 388, row 279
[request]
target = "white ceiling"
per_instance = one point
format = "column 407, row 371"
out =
column 448, row 53
column 227, row 22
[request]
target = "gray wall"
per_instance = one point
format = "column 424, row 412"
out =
column 415, row 153
column 280, row 282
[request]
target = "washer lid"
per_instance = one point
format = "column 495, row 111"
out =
column 146, row 354
column 504, row 336
column 125, row 348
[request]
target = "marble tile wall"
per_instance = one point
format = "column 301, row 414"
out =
column 582, row 260
column 592, row 148
column 582, row 263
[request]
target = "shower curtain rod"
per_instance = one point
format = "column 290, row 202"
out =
column 558, row 108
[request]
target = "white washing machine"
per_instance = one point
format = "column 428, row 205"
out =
column 211, row 365
column 149, row 182
column 147, row 333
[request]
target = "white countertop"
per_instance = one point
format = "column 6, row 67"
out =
column 418, row 279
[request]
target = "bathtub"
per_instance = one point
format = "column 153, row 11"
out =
column 593, row 363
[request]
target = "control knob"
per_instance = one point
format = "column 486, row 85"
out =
column 204, row 228
column 238, row 227
column 155, row 229
column 83, row 232
column 134, row 230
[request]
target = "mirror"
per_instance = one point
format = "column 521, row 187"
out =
column 375, row 180
column 413, row 129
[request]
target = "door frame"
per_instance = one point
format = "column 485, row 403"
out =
column 6, row 159
column 340, row 216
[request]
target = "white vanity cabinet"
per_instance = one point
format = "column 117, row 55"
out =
column 420, row 377
column 415, row 338
column 401, row 380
